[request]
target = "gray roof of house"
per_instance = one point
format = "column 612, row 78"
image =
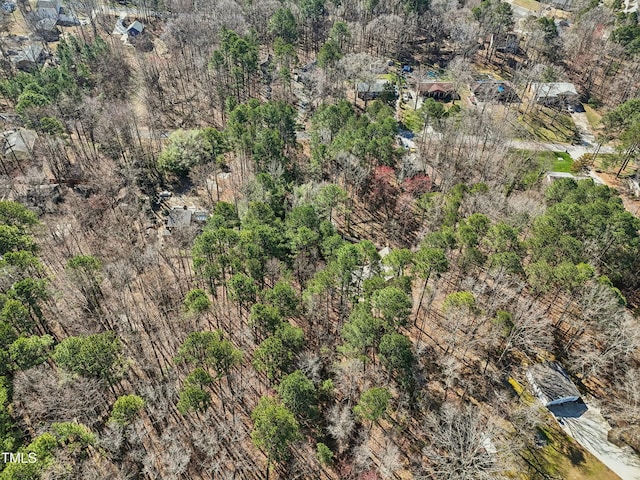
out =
column 554, row 89
column 20, row 141
column 179, row 217
column 491, row 86
column 137, row 26
column 376, row 86
column 46, row 24
column 551, row 383
column 48, row 4
column 31, row 52
column 560, row 175
column 67, row 20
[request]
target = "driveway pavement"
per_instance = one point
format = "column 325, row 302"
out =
column 589, row 428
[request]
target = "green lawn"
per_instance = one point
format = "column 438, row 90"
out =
column 551, row 161
column 561, row 162
column 533, row 164
column 564, row 458
column 412, row 120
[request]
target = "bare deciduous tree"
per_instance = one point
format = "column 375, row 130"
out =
column 463, row 445
column 341, row 425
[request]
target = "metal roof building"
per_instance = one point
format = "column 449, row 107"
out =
column 551, row 384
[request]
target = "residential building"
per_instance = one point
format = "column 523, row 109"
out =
column 551, row 384
column 370, row 90
column 444, row 91
column 555, row 94
column 493, row 91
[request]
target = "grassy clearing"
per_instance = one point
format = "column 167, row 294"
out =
column 529, row 5
column 611, row 162
column 561, row 162
column 534, row 164
column 550, row 161
column 593, row 117
column 564, row 458
column 549, row 125
column 412, row 120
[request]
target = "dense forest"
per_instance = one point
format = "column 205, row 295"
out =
column 237, row 240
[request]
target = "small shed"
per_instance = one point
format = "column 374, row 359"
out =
column 445, row 91
column 370, row 91
column 551, row 384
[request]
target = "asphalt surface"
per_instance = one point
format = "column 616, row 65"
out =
column 589, row 428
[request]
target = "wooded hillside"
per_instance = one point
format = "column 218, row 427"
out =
column 243, row 244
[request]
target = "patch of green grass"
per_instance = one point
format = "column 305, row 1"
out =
column 525, row 396
column 413, row 120
column 564, row 458
column 561, row 163
column 532, row 165
column 593, row 117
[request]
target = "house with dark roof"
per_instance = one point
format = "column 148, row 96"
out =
column 183, row 217
column 47, row 29
column 506, row 43
column 29, row 58
column 444, row 91
column 551, row 384
column 494, row 91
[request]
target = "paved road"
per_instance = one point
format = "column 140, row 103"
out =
column 576, row 151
